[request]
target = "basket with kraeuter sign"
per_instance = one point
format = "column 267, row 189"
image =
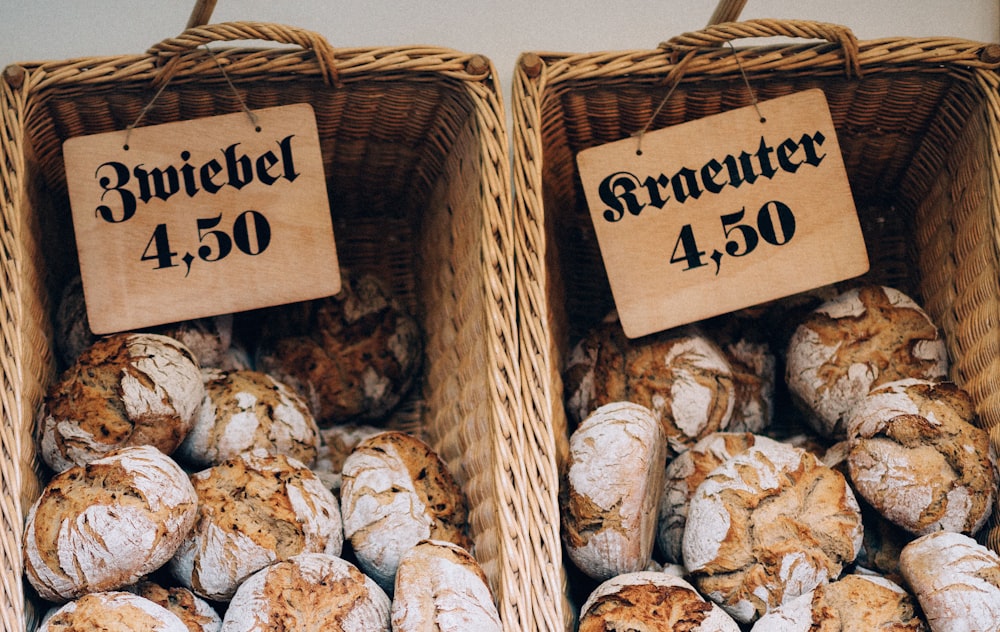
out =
column 696, row 224
column 386, row 164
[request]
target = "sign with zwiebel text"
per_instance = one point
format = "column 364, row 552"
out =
column 723, row 212
column 201, row 217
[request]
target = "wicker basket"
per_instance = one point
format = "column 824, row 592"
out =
column 417, row 161
column 918, row 121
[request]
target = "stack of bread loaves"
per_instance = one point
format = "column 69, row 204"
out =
column 703, row 493
column 193, row 492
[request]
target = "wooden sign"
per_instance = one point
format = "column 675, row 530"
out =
column 723, row 212
column 201, row 217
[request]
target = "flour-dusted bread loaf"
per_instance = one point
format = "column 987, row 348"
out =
column 955, row 579
column 246, row 410
column 853, row 603
column 335, row 444
column 861, row 339
column 650, row 601
column 125, row 389
column 681, row 375
column 396, row 492
column 768, row 525
column 611, row 490
column 682, row 477
column 103, row 525
column 196, row 613
column 441, row 588
column 309, row 591
column 352, row 356
column 917, row 457
column 254, row 509
column 112, row 611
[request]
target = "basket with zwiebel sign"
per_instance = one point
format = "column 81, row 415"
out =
column 918, row 124
column 416, row 160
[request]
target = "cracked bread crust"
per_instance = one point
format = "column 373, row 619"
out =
column 916, row 456
column 861, row 339
column 112, row 611
column 396, row 491
column 611, row 490
column 767, row 526
column 102, row 526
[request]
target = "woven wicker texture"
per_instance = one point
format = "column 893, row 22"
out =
column 918, row 123
column 417, row 160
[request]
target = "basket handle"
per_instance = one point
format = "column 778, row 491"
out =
column 717, row 34
column 195, row 36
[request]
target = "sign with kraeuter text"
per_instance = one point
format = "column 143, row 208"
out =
column 723, row 212
column 201, row 217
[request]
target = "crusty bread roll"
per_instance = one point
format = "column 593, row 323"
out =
column 917, row 458
column 102, row 526
column 254, row 509
column 126, row 389
column 112, row 611
column 196, row 613
column 853, row 603
column 682, row 476
column 352, row 356
column 862, row 338
column 768, row 525
column 246, row 410
column 650, row 601
column 396, row 492
column 681, row 375
column 441, row 588
column 955, row 579
column 611, row 490
column 309, row 591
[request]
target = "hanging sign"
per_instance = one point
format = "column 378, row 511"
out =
column 201, row 217
column 723, row 212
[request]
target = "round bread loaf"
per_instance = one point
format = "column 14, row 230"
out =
column 396, row 492
column 309, row 591
column 611, row 491
column 254, row 509
column 335, row 444
column 103, row 525
column 246, row 410
column 352, row 356
column 681, row 375
column 955, row 579
column 112, row 611
column 853, row 603
column 126, row 389
column 440, row 586
column 649, row 601
column 768, row 525
column 196, row 613
column 861, row 339
column 917, row 458
column 683, row 475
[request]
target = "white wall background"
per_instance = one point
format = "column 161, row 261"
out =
column 33, row 30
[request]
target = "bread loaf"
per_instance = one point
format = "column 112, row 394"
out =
column 611, row 490
column 196, row 613
column 104, row 525
column 254, row 509
column 396, row 492
column 126, row 389
column 112, row 611
column 246, row 410
column 768, row 525
column 441, row 588
column 649, row 601
column 955, row 579
column 862, row 338
column 917, row 458
column 309, row 591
